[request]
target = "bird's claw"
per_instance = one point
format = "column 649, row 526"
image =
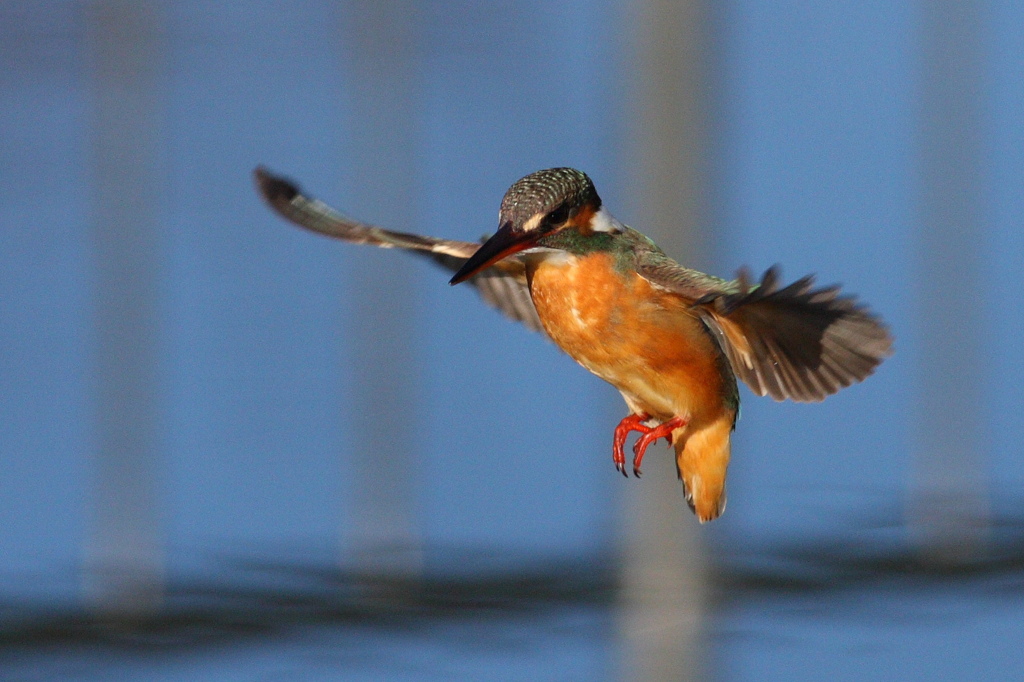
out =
column 634, row 422
column 652, row 435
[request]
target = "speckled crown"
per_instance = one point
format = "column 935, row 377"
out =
column 545, row 190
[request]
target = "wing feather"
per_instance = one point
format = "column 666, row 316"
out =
column 793, row 342
column 502, row 286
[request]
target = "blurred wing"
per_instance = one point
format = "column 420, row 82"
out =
column 503, row 285
column 798, row 343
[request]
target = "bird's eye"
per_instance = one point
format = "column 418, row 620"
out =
column 558, row 216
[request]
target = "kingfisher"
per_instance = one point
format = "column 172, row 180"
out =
column 671, row 339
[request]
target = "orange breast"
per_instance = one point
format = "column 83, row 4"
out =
column 644, row 341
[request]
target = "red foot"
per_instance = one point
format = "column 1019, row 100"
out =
column 663, row 430
column 634, row 422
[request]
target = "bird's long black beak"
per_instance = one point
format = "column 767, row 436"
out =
column 505, row 242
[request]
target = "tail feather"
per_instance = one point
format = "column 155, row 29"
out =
column 702, row 457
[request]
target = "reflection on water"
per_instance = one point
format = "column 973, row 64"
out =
column 872, row 606
column 873, row 555
column 261, row 620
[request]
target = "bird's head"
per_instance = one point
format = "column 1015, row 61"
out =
column 536, row 206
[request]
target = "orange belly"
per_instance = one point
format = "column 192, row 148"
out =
column 644, row 341
column 648, row 344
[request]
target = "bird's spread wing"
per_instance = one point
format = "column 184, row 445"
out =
column 502, row 285
column 795, row 342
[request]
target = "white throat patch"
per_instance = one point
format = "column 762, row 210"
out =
column 603, row 221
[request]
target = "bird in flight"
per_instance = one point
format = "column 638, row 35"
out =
column 672, row 340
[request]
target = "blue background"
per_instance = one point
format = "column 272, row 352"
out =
column 815, row 165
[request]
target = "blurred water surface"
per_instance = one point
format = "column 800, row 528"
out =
column 867, row 608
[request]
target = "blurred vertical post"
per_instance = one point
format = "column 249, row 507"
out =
column 949, row 509
column 665, row 598
column 382, row 167
column 124, row 559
